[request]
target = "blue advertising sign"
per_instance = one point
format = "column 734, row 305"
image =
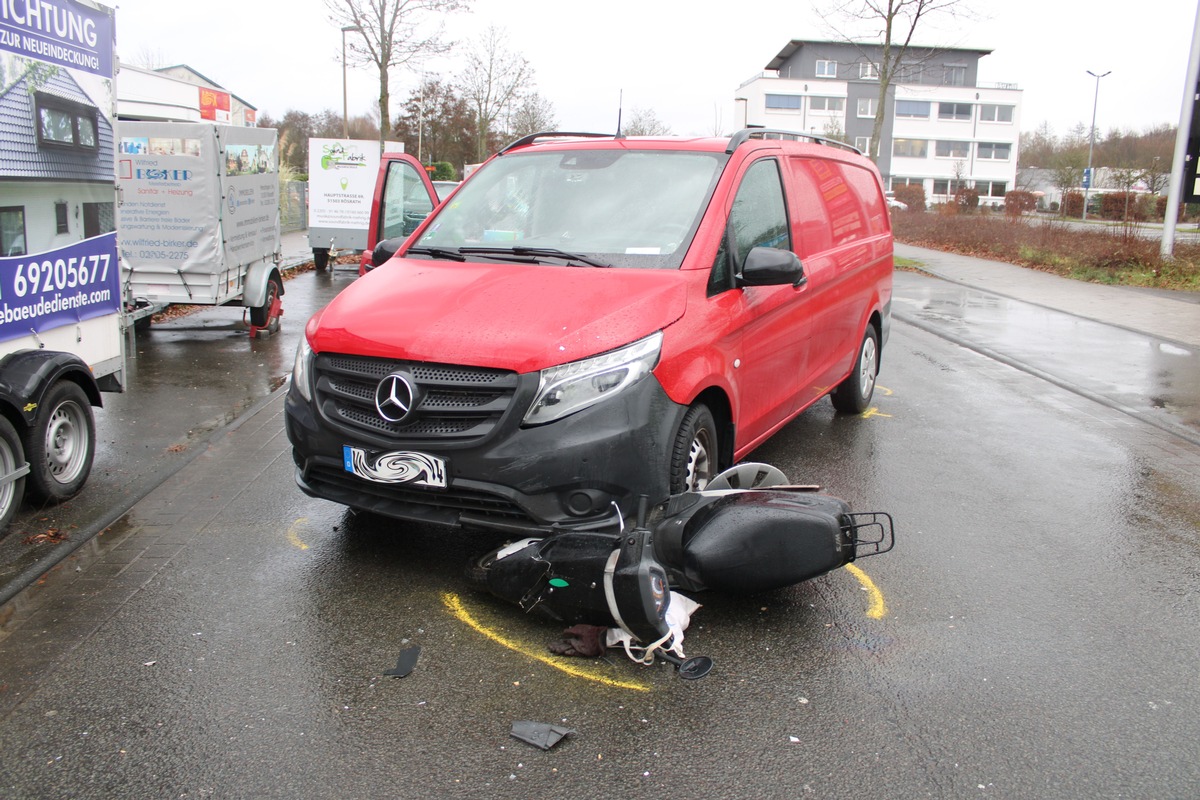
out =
column 65, row 33
column 1087, row 177
column 59, row 287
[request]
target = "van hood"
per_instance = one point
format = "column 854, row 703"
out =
column 506, row 316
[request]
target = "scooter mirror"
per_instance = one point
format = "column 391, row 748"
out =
column 695, row 668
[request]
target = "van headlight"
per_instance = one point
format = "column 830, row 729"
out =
column 568, row 388
column 302, row 369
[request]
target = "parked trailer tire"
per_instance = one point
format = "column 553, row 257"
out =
column 61, row 444
column 320, row 259
column 12, row 458
column 261, row 316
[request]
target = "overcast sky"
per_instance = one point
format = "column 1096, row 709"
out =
column 683, row 60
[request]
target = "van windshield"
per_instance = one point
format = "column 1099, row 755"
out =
column 620, row 208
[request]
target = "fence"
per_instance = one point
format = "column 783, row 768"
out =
column 293, row 207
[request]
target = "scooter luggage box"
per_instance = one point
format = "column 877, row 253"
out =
column 758, row 541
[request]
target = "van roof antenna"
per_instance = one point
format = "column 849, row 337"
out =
column 620, row 107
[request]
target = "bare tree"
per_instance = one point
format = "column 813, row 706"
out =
column 491, row 83
column 392, row 33
column 535, row 114
column 892, row 23
column 644, row 122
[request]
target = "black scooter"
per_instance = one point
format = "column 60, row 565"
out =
column 747, row 531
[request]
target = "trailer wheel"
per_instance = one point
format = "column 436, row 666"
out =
column 60, row 445
column 261, row 316
column 12, row 457
column 321, row 259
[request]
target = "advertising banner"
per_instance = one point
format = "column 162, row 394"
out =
column 170, row 192
column 59, row 287
column 66, row 33
column 341, row 185
column 58, row 252
column 250, row 213
column 215, row 105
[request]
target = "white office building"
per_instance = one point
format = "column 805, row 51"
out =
column 942, row 129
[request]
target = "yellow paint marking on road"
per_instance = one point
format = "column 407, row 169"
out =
column 455, row 605
column 886, row 391
column 874, row 412
column 878, row 609
column 293, row 535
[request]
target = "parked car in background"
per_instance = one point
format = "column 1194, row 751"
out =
column 592, row 320
column 892, row 202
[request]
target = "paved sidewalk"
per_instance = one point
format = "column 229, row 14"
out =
column 1173, row 316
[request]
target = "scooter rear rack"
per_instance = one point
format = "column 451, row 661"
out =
column 871, row 532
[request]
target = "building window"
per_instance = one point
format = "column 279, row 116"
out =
column 912, row 109
column 12, row 231
column 866, row 107
column 946, row 186
column 960, row 111
column 992, row 188
column 994, row 113
column 994, row 151
column 910, row 148
column 826, row 104
column 909, row 73
column 952, row 149
column 60, row 218
column 791, row 102
column 907, row 182
column 826, row 69
column 65, row 123
column 868, row 71
column 863, row 144
column 954, row 75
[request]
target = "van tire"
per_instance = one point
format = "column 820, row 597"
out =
column 694, row 457
column 12, row 457
column 853, row 395
column 60, row 444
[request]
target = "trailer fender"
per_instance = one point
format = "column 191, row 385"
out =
column 26, row 376
column 257, row 277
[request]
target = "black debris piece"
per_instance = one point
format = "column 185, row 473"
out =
column 539, row 734
column 406, row 662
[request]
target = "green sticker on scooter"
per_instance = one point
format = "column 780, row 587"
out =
column 559, row 583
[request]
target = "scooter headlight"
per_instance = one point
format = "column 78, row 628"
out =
column 572, row 387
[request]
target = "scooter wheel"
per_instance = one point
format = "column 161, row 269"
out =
column 477, row 571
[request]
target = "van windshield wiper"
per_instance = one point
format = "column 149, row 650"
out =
column 534, row 252
column 449, row 253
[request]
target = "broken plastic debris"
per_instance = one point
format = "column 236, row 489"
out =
column 406, row 662
column 539, row 734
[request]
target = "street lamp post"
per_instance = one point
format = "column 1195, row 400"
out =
column 345, row 101
column 1092, row 142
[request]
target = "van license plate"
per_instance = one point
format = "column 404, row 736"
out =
column 402, row 466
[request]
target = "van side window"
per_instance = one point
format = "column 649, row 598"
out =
column 758, row 219
column 405, row 202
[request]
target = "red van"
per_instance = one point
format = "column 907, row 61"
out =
column 590, row 319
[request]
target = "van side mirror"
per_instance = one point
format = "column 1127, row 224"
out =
column 766, row 266
column 384, row 251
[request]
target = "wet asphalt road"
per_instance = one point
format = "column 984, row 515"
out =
column 186, row 378
column 1037, row 636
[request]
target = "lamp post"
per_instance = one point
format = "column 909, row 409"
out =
column 1092, row 142
column 345, row 102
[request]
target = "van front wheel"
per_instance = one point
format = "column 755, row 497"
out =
column 853, row 395
column 694, row 458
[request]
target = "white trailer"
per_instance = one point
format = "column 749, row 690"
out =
column 199, row 218
column 341, row 187
column 61, row 339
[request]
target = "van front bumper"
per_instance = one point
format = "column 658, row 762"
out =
column 576, row 472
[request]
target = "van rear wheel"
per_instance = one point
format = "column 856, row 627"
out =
column 853, row 395
column 694, row 457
